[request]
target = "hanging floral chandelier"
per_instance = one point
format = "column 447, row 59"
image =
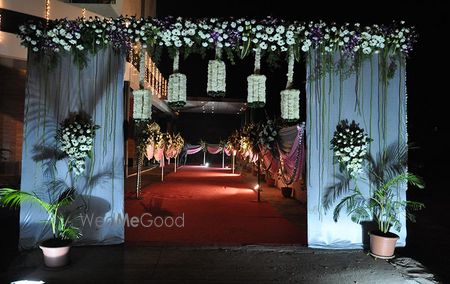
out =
column 142, row 99
column 256, row 87
column 290, row 97
column 176, row 95
column 216, row 76
column 142, row 104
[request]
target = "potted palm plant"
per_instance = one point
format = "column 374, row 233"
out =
column 55, row 250
column 385, row 174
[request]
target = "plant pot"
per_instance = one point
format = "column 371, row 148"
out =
column 56, row 252
column 286, row 191
column 382, row 245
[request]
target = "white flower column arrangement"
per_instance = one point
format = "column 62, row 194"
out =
column 142, row 104
column 216, row 76
column 290, row 97
column 256, row 88
column 142, row 99
column 176, row 95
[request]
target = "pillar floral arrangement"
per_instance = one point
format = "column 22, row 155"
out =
column 176, row 95
column 290, row 97
column 153, row 136
column 168, row 147
column 233, row 144
column 216, row 76
column 256, row 85
column 247, row 142
column 178, row 143
column 268, row 135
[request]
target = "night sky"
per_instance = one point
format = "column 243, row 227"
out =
column 425, row 71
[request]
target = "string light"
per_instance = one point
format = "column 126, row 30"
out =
column 83, row 13
column 153, row 79
column 47, row 10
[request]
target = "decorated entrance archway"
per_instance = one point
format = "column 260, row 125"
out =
column 353, row 72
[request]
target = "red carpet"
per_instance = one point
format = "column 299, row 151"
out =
column 218, row 208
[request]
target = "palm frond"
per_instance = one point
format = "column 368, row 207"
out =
column 414, row 205
column 346, row 201
column 13, row 198
column 405, row 176
column 387, row 164
column 333, row 192
column 360, row 214
column 66, row 197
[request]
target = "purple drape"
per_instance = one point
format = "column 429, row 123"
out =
column 292, row 152
column 270, row 163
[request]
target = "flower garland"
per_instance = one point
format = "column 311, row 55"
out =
column 349, row 144
column 142, row 104
column 290, row 97
column 256, row 85
column 216, row 76
column 273, row 36
column 176, row 95
column 75, row 137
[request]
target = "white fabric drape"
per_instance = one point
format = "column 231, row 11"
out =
column 51, row 94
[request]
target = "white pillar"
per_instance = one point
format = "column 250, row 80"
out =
column 162, row 169
column 223, row 158
column 175, row 164
column 233, row 157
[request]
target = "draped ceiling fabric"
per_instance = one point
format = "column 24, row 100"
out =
column 211, row 149
column 378, row 107
column 51, row 95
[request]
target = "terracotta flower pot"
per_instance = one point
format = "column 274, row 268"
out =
column 383, row 245
column 56, row 252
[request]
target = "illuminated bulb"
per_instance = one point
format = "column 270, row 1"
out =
column 256, row 187
column 207, row 165
column 47, row 10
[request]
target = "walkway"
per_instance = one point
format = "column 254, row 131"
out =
column 207, row 206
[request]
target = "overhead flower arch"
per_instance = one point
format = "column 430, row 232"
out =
column 236, row 38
